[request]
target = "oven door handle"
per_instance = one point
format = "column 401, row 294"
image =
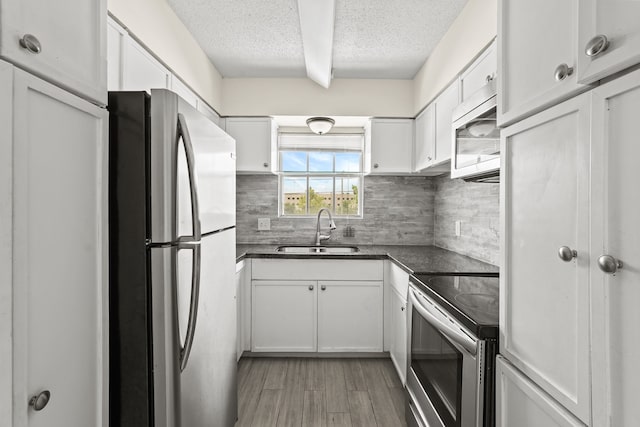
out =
column 455, row 335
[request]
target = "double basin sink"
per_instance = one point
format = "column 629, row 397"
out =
column 305, row 249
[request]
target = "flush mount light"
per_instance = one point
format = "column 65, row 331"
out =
column 320, row 125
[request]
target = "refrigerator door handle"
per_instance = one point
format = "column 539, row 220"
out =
column 183, row 133
column 193, row 307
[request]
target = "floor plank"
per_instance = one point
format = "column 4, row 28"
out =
column 354, row 378
column 266, row 414
column 314, row 413
column 315, row 374
column 249, row 393
column 293, row 400
column 337, row 400
column 361, row 409
column 379, row 394
column 398, row 400
column 390, row 375
column 276, row 375
column 338, row 419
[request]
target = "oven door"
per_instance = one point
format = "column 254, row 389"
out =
column 443, row 382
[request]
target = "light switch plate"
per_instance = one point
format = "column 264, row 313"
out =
column 264, row 224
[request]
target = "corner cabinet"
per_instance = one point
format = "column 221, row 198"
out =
column 55, row 202
column 316, row 305
column 389, row 143
column 61, row 42
column 569, row 286
column 256, row 143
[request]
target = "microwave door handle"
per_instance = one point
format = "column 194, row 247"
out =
column 455, row 335
column 185, row 349
column 183, row 134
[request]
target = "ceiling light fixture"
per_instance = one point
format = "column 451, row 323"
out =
column 320, row 125
column 316, row 25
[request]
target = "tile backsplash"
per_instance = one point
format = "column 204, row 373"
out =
column 398, row 210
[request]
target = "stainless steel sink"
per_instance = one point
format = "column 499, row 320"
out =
column 295, row 249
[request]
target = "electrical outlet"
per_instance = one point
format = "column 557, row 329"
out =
column 458, row 228
column 264, row 224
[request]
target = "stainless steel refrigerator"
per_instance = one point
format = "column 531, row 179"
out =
column 172, row 264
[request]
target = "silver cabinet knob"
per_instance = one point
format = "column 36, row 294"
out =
column 39, row 401
column 323, row 287
column 265, row 164
column 609, row 264
column 31, row 43
column 567, row 254
column 562, row 72
column 489, row 78
column 402, row 308
column 310, row 287
column 596, row 45
column 376, row 166
column 429, row 158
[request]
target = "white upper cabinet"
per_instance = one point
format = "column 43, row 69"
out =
column 391, row 145
column 544, row 301
column 608, row 39
column 537, row 56
column 479, row 73
column 61, row 42
column 445, row 103
column 616, row 234
column 140, row 70
column 208, row 112
column 425, row 131
column 256, row 143
column 184, row 91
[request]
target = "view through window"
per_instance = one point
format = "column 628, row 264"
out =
column 321, row 172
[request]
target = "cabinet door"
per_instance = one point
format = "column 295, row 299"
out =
column 544, row 303
column 284, row 315
column 619, row 22
column 479, row 73
column 425, row 125
column 445, row 104
column 208, row 112
column 398, row 350
column 60, row 262
column 616, row 232
column 519, row 402
column 183, row 91
column 349, row 316
column 391, row 146
column 116, row 36
column 72, row 39
column 140, row 70
column 535, row 39
column 253, row 143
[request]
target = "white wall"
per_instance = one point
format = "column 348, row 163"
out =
column 472, row 30
column 301, row 96
column 158, row 27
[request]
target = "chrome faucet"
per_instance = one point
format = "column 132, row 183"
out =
column 332, row 226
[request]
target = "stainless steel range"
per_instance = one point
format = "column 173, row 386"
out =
column 453, row 333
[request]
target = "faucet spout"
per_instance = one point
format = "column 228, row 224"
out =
column 332, row 226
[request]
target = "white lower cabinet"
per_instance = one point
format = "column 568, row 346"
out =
column 55, row 233
column 350, row 316
column 316, row 305
column 284, row 315
column 520, row 403
column 398, row 349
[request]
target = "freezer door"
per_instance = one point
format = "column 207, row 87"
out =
column 215, row 169
column 208, row 383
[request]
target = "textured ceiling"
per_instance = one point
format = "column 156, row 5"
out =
column 372, row 38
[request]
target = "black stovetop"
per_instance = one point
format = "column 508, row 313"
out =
column 472, row 300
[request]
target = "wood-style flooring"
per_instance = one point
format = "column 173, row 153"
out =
column 304, row 392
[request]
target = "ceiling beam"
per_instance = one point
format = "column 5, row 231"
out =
column 316, row 24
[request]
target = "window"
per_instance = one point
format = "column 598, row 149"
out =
column 320, row 172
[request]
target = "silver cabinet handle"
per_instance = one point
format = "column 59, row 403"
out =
column 566, row 253
column 310, row 287
column 31, row 43
column 323, row 287
column 609, row 264
column 376, row 166
column 39, row 401
column 562, row 72
column 265, row 164
column 596, row 46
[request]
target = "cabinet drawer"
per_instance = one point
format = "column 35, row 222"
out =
column 317, row 269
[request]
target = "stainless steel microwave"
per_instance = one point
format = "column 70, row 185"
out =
column 475, row 155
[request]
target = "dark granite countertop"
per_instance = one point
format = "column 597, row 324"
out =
column 413, row 259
